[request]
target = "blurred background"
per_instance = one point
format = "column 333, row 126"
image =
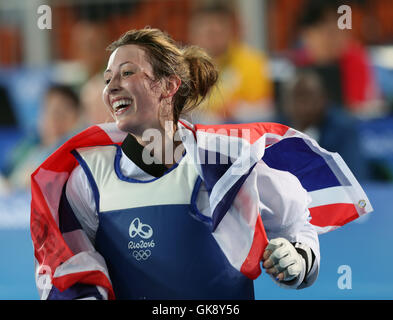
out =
column 297, row 62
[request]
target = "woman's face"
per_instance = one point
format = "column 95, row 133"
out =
column 131, row 94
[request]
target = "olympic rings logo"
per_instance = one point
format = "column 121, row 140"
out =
column 140, row 251
column 141, row 254
column 140, row 229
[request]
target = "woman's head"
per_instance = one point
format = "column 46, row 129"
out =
column 150, row 80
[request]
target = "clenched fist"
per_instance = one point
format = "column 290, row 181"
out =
column 281, row 260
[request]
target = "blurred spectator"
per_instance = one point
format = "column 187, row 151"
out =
column 341, row 60
column 59, row 120
column 244, row 90
column 90, row 39
column 306, row 109
column 93, row 107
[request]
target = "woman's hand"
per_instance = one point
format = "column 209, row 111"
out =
column 281, row 260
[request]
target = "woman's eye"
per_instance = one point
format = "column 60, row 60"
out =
column 127, row 73
column 107, row 81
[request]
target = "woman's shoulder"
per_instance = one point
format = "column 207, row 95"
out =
column 100, row 134
column 63, row 160
column 96, row 136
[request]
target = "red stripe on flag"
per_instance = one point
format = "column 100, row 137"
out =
column 249, row 131
column 251, row 267
column 336, row 214
column 50, row 248
column 186, row 126
column 62, row 159
column 92, row 277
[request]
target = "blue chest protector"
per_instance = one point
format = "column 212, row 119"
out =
column 153, row 247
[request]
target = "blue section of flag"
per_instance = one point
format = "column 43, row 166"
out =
column 77, row 291
column 295, row 156
column 214, row 165
column 227, row 200
column 67, row 220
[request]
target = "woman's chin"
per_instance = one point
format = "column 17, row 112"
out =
column 130, row 127
column 137, row 125
column 123, row 126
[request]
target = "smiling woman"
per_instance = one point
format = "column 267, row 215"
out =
column 149, row 80
column 185, row 229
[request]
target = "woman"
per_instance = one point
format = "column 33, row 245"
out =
column 132, row 230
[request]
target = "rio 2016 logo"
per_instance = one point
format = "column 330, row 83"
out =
column 141, row 250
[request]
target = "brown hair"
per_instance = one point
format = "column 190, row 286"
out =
column 191, row 64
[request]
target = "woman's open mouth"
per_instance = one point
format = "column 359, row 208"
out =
column 121, row 106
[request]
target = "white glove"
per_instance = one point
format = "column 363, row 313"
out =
column 282, row 260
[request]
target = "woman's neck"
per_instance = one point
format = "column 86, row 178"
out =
column 160, row 146
column 134, row 151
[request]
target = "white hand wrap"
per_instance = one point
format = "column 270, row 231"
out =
column 286, row 259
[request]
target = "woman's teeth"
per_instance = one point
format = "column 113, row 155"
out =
column 121, row 104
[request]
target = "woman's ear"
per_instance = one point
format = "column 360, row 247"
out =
column 170, row 86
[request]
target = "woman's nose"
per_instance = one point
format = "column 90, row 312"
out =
column 114, row 84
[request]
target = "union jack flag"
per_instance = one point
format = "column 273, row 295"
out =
column 337, row 197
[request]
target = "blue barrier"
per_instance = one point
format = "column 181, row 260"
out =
column 364, row 246
column 376, row 136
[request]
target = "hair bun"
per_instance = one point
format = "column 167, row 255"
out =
column 203, row 72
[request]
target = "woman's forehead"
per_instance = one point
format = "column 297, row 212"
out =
column 129, row 53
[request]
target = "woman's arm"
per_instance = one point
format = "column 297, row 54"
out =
column 285, row 215
column 78, row 222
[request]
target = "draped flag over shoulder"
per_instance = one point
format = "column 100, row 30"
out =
column 226, row 155
column 234, row 220
column 47, row 182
